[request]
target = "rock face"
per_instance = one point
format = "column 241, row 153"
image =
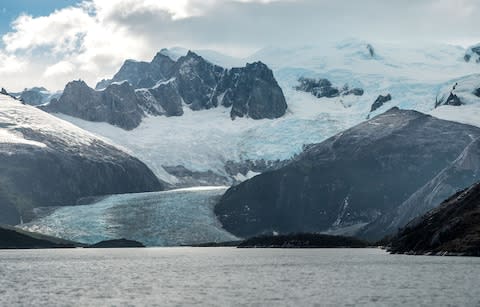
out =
column 164, row 87
column 196, row 80
column 164, row 100
column 36, row 96
column 451, row 229
column 251, row 92
column 323, row 88
column 45, row 161
column 476, row 92
column 473, row 54
column 371, row 50
column 190, row 178
column 350, row 180
column 117, row 104
column 463, row 91
column 451, row 100
column 141, row 74
column 380, row 101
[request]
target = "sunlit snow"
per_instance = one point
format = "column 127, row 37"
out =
column 15, row 116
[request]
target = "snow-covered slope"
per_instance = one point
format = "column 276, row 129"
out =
column 47, row 161
column 200, row 141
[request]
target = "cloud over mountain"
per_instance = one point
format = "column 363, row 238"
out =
column 91, row 39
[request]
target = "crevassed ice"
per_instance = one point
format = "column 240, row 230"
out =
column 171, row 218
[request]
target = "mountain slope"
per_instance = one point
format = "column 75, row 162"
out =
column 452, row 228
column 463, row 172
column 349, row 180
column 165, row 87
column 45, row 161
column 13, row 238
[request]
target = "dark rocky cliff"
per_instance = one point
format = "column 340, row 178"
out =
column 451, row 229
column 350, row 180
column 165, row 87
column 117, row 104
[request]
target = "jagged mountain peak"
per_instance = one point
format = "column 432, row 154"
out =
column 164, row 86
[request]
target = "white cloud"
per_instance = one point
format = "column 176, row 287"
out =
column 60, row 68
column 91, row 40
column 62, row 31
column 10, row 64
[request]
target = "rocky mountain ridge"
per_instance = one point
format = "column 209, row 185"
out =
column 164, row 87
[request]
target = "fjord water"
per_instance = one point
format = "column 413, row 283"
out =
column 235, row 277
column 170, row 218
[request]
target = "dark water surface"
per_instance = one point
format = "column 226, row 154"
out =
column 235, row 277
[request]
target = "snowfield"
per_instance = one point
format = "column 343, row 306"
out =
column 415, row 76
column 15, row 116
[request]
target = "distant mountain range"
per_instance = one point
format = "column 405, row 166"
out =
column 288, row 118
column 164, row 86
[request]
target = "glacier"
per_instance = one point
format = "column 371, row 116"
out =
column 171, row 218
column 204, row 140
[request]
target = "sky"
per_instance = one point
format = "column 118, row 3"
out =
column 50, row 42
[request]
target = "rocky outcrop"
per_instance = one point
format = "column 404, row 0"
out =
column 36, row 96
column 371, row 50
column 323, row 88
column 251, row 92
column 451, row 100
column 350, row 180
column 235, row 173
column 476, row 92
column 163, row 99
column 196, row 80
column 451, row 229
column 473, row 54
column 164, row 87
column 188, row 178
column 302, row 240
column 12, row 238
column 141, row 74
column 459, row 92
column 119, row 243
column 117, row 104
column 45, row 161
column 380, row 101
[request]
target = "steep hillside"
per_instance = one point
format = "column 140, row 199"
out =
column 410, row 77
column 45, row 161
column 451, row 229
column 350, row 180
